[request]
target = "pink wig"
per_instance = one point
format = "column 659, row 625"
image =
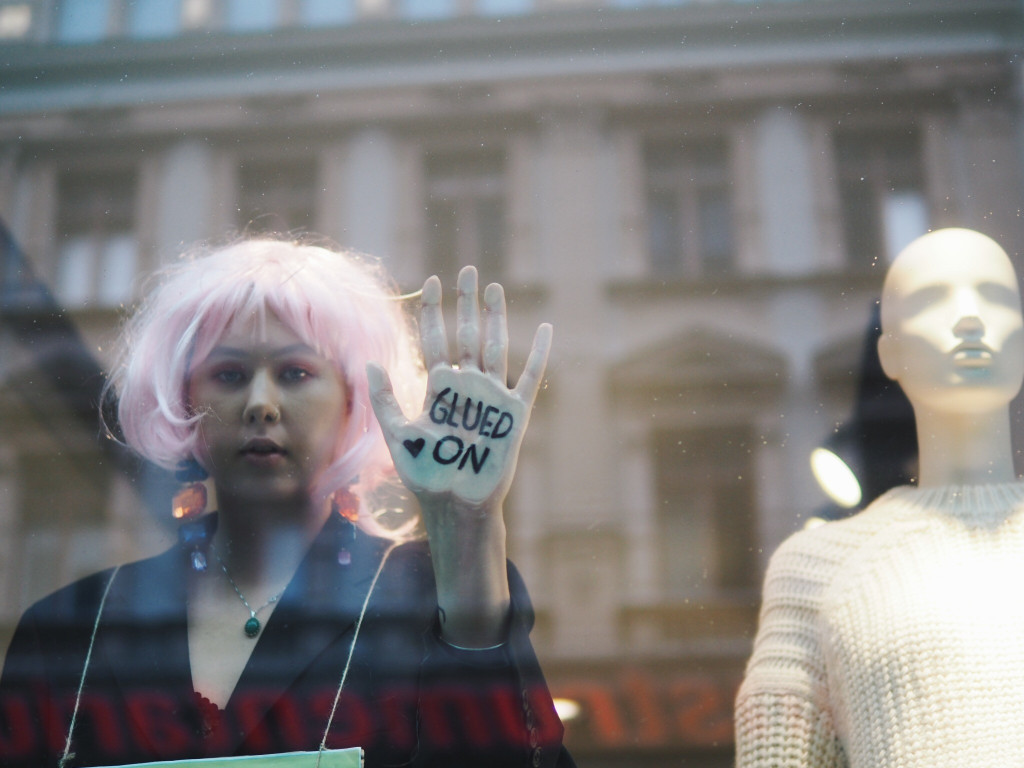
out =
column 342, row 305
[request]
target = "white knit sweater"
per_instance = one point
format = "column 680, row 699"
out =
column 894, row 638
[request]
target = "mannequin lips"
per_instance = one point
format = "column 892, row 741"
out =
column 972, row 354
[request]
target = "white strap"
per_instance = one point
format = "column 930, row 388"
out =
column 351, row 650
column 68, row 754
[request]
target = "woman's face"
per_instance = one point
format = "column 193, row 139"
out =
column 272, row 412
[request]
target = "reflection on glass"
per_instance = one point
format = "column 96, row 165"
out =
column 154, row 18
column 689, row 208
column 82, row 21
column 326, row 12
column 15, row 20
column 503, row 7
column 251, row 15
column 904, row 218
column 428, row 9
column 465, row 209
column 881, row 191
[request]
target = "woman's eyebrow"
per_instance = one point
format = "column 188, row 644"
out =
column 290, row 349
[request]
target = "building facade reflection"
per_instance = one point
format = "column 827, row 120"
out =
column 701, row 197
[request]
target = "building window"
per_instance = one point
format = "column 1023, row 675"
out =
column 277, row 195
column 881, row 187
column 504, row 7
column 429, row 9
column 252, row 15
column 705, row 514
column 82, row 21
column 327, row 12
column 465, row 209
column 15, row 20
column 154, row 18
column 98, row 247
column 689, row 208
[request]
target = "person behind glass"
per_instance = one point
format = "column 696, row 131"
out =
column 284, row 371
column 896, row 637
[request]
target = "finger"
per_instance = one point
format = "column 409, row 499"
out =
column 533, row 373
column 467, row 312
column 433, row 335
column 382, row 397
column 495, row 349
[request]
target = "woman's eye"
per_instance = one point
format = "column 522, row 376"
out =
column 229, row 376
column 295, row 373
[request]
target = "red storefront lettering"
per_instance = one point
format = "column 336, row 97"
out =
column 602, row 716
column 398, row 710
column 352, row 724
column 156, row 723
column 97, row 712
column 17, row 731
column 442, row 708
column 703, row 712
column 646, row 710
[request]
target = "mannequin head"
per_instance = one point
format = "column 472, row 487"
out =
column 952, row 333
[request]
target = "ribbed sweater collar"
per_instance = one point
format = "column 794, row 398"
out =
column 977, row 504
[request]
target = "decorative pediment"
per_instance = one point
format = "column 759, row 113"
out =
column 700, row 358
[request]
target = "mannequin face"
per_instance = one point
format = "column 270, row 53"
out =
column 951, row 324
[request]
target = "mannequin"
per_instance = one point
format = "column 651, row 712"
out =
column 893, row 637
column 952, row 338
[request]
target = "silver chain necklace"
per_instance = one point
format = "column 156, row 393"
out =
column 252, row 625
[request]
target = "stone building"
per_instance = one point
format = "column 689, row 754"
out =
column 701, row 196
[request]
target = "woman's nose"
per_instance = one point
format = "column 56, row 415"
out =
column 263, row 403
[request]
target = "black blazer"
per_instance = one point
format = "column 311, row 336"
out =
column 409, row 698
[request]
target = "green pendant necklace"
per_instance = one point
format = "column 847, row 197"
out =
column 252, row 625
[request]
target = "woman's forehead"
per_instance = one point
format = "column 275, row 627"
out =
column 263, row 331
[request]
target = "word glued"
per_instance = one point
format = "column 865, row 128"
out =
column 472, row 417
column 479, row 420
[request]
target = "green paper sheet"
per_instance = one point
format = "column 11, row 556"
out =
column 331, row 758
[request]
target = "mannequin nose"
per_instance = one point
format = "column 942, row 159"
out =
column 262, row 404
column 969, row 327
column 968, row 312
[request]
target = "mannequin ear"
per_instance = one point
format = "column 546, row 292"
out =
column 888, row 356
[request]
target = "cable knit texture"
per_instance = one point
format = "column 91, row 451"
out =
column 893, row 638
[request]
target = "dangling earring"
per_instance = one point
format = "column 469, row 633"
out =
column 188, row 505
column 346, row 504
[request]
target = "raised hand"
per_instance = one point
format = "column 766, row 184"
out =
column 459, row 455
column 464, row 446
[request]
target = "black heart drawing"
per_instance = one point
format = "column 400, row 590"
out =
column 414, row 446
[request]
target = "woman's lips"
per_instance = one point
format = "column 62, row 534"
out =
column 263, row 451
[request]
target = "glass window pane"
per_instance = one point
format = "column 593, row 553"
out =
column 905, row 214
column 154, row 18
column 277, row 195
column 74, row 271
column 326, row 12
column 503, row 7
column 83, row 21
column 716, row 230
column 689, row 208
column 252, row 15
column 466, row 211
column 117, row 271
column 15, row 20
column 881, row 189
column 663, row 234
column 428, row 9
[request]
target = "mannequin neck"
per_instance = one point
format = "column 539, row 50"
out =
column 964, row 449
